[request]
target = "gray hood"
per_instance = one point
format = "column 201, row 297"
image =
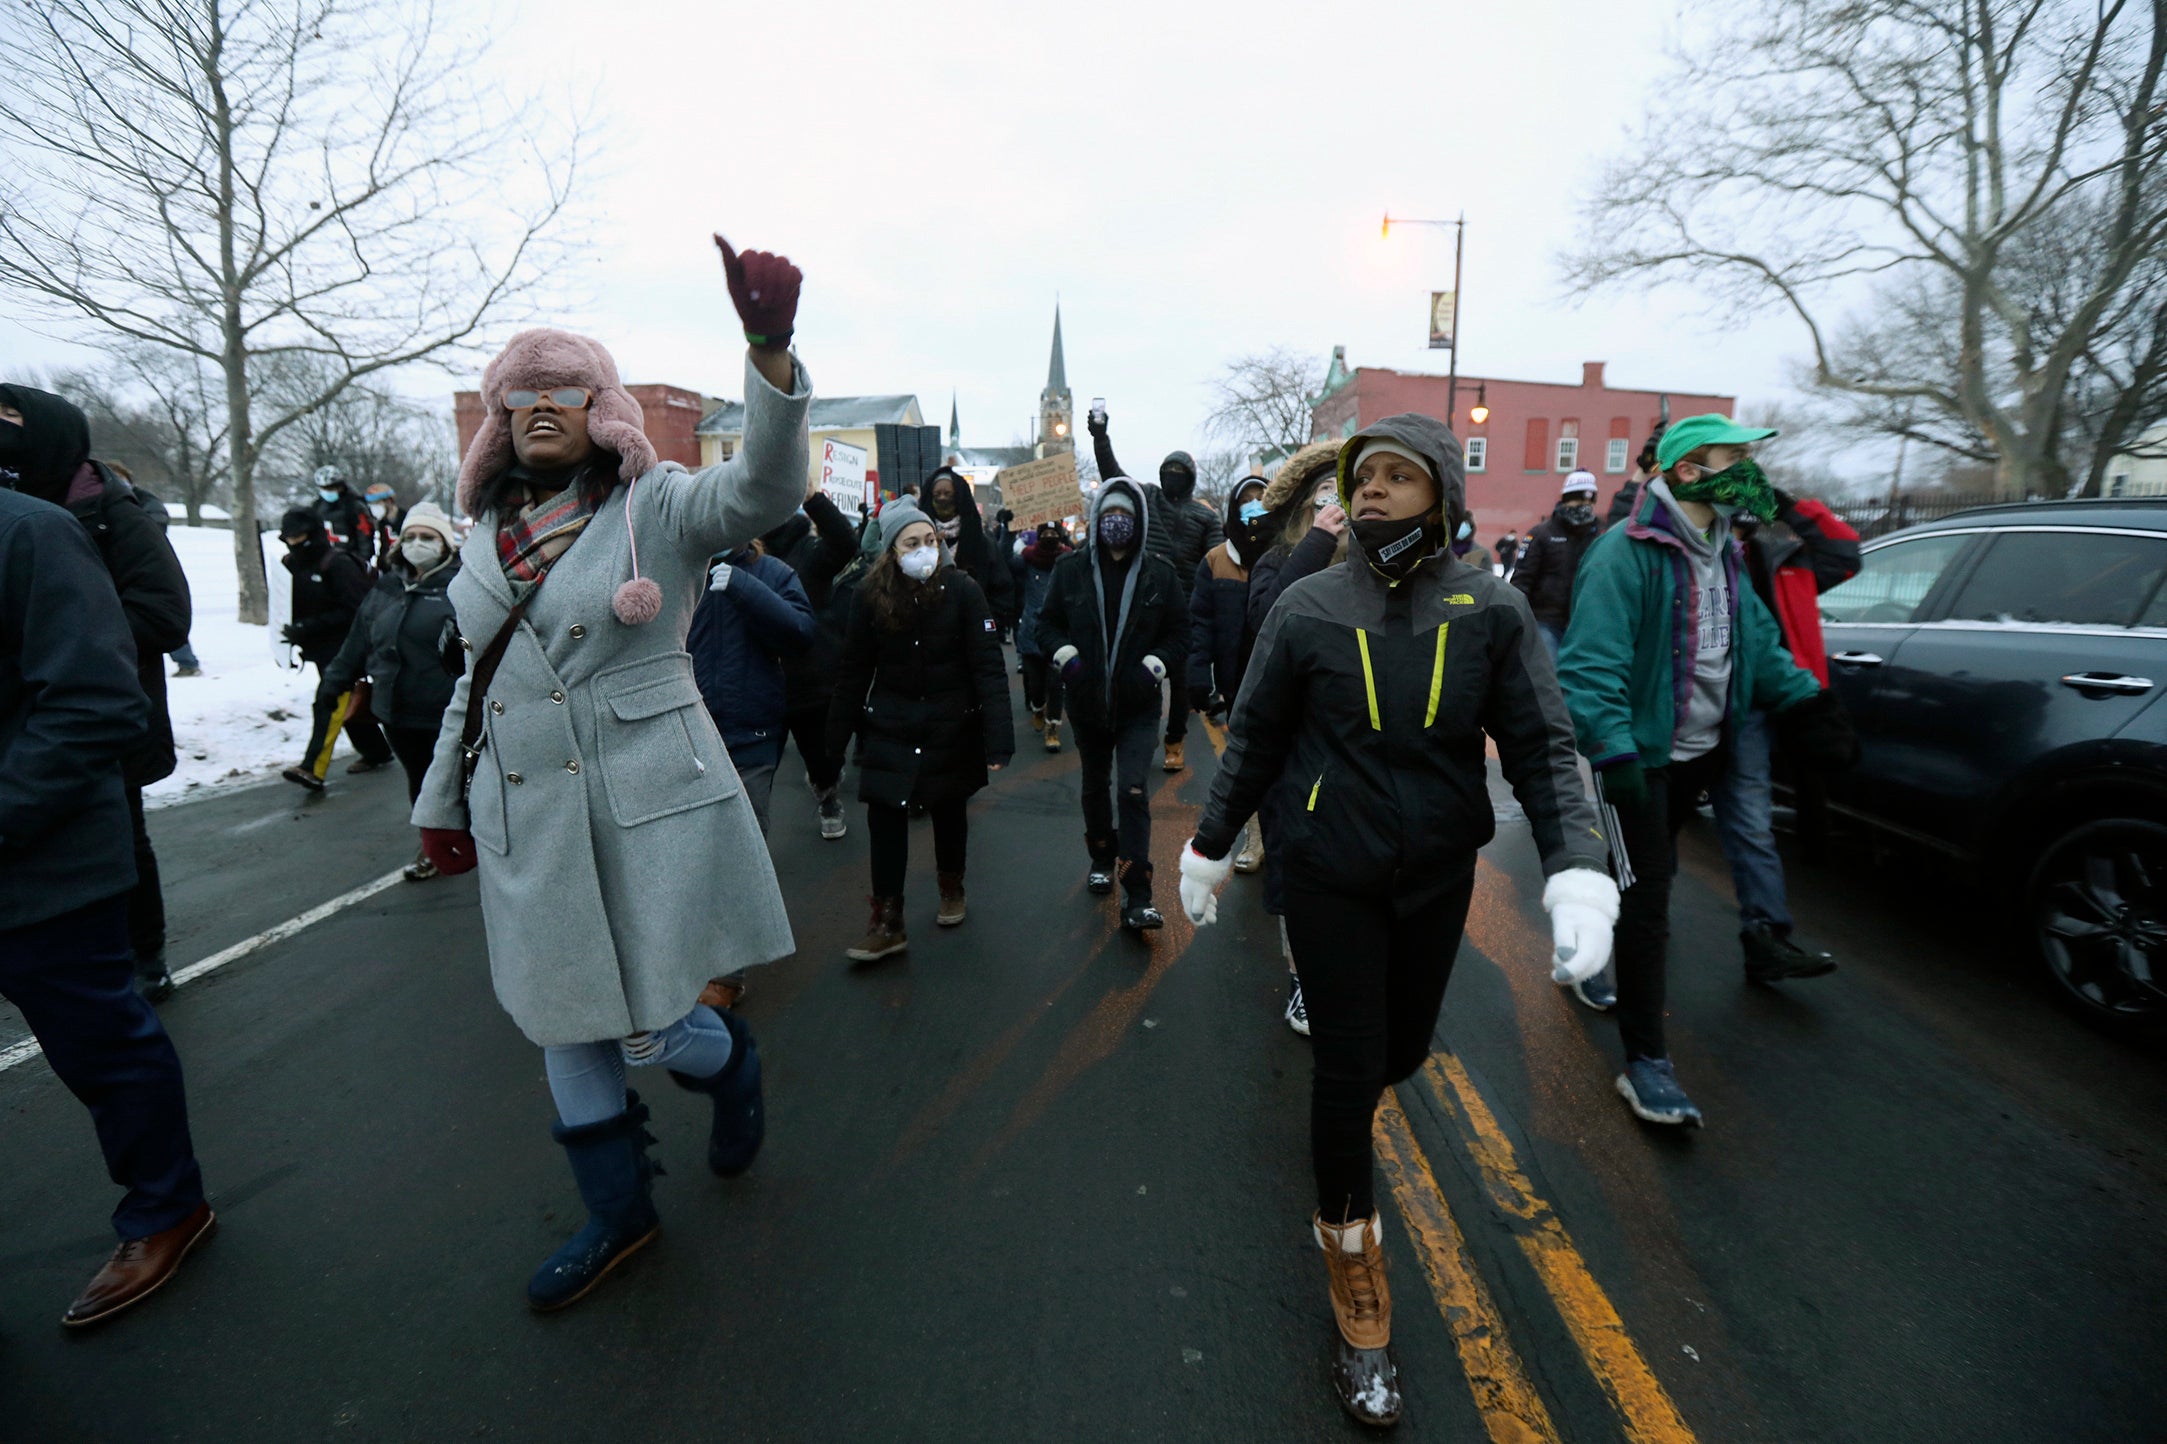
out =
column 1110, row 643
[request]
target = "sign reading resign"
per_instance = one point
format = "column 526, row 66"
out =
column 1041, row 491
column 842, row 474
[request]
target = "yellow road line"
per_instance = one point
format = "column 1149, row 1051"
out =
column 1643, row 1405
column 1512, row 1411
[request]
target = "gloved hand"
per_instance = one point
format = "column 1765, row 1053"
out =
column 764, row 287
column 718, row 577
column 1625, row 784
column 451, row 849
column 1068, row 663
column 1818, row 733
column 1583, row 907
column 290, row 635
column 1155, row 667
column 1200, row 880
column 1095, row 421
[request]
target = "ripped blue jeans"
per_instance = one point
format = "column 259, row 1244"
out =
column 587, row 1080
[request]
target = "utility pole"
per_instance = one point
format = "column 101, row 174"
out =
column 1459, row 247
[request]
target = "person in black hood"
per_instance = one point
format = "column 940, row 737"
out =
column 953, row 507
column 1365, row 708
column 1182, row 530
column 329, row 586
column 818, row 543
column 1117, row 626
column 1551, row 558
column 54, row 464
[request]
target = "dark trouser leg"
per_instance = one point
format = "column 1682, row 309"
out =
column 889, row 828
column 951, row 836
column 1095, row 750
column 1132, row 768
column 74, row 980
column 146, row 901
column 368, row 738
column 1373, row 983
column 809, row 729
column 1055, row 691
column 1649, row 834
column 328, row 716
column 1177, row 716
column 1034, row 682
column 415, row 747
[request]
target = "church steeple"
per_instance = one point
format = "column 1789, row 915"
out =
column 955, row 428
column 1056, row 407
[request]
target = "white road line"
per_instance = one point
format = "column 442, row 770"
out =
column 28, row 1048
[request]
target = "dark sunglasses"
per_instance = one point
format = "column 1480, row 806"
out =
column 570, row 398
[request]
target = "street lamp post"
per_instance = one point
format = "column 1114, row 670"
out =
column 1459, row 245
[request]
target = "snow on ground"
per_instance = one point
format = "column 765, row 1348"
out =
column 244, row 719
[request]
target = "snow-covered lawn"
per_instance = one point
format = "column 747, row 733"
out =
column 244, row 718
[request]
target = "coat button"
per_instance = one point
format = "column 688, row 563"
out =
column 514, row 778
column 578, row 631
column 497, row 707
column 572, row 766
column 556, row 696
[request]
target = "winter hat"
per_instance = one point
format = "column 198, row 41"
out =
column 1581, row 480
column 897, row 515
column 1375, row 445
column 299, row 521
column 430, row 515
column 538, row 359
column 1118, row 500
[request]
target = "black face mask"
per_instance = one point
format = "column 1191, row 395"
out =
column 1579, row 513
column 1254, row 539
column 1396, row 548
column 1178, row 484
column 11, row 442
column 944, row 507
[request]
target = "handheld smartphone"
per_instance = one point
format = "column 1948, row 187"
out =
column 1098, row 406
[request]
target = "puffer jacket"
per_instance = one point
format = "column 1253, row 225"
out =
column 1365, row 707
column 1550, row 562
column 740, row 641
column 398, row 641
column 1149, row 618
column 930, row 702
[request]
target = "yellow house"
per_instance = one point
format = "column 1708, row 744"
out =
column 849, row 419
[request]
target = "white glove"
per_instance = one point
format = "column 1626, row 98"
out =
column 718, row 580
column 1583, row 904
column 1200, row 879
column 1155, row 667
column 1063, row 657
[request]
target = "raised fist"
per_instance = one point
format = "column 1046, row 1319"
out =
column 764, row 287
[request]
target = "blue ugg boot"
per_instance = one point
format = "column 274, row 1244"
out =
column 740, row 1109
column 609, row 1161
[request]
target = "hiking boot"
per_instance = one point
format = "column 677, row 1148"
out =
column 1297, row 1010
column 1038, row 719
column 615, row 1176
column 1364, row 1373
column 951, row 911
column 1650, row 1088
column 1771, row 957
column 304, row 777
column 1053, row 737
column 1173, row 761
column 1599, row 992
column 832, row 825
column 884, row 935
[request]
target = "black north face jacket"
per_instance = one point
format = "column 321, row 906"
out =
column 1365, row 707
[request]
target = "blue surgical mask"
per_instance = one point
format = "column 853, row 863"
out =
column 328, row 493
column 1252, row 511
column 1467, row 529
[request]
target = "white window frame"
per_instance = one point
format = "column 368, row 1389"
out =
column 1478, row 453
column 1568, row 453
column 1616, row 455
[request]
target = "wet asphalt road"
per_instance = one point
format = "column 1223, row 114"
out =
column 1041, row 1180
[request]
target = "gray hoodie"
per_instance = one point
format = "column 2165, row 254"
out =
column 1700, row 726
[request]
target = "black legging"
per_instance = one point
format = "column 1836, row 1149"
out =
column 415, row 748
column 808, row 727
column 1042, row 686
column 146, row 900
column 890, row 828
column 1373, row 980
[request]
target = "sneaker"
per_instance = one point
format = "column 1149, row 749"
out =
column 1599, row 992
column 1650, row 1088
column 1174, row 762
column 187, row 671
column 1771, row 957
column 419, row 870
column 304, row 777
column 1297, row 1010
column 832, row 825
column 367, row 764
column 1101, row 881
column 1139, row 916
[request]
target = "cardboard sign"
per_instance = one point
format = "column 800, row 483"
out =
column 842, row 474
column 1041, row 491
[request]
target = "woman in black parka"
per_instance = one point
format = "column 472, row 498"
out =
column 922, row 683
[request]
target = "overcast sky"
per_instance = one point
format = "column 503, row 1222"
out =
column 1194, row 180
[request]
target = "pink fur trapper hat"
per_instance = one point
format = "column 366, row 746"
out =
column 536, row 360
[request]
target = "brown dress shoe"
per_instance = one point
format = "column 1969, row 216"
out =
column 138, row 1268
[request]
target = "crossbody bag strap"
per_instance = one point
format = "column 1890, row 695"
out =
column 485, row 671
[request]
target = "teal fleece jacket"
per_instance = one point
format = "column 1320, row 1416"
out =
column 1627, row 658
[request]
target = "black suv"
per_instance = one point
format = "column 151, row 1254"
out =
column 2005, row 668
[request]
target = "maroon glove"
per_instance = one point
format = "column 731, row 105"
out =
column 765, row 288
column 451, row 850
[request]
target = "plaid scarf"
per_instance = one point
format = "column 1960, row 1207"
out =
column 533, row 540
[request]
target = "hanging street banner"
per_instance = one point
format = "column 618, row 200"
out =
column 1041, row 491
column 842, row 475
column 1444, row 312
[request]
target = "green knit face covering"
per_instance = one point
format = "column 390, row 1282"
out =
column 1742, row 484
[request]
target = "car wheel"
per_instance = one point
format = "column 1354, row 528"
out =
column 2097, row 904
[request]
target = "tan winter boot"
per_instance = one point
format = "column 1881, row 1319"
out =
column 1038, row 719
column 1174, row 761
column 1364, row 1372
column 884, row 935
column 1053, row 736
column 951, row 911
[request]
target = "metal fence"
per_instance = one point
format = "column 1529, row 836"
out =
column 1877, row 518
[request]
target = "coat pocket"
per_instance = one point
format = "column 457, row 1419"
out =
column 660, row 753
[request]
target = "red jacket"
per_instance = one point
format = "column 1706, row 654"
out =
column 1790, row 573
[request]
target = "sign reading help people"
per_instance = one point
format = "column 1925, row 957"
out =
column 1041, row 491
column 842, row 474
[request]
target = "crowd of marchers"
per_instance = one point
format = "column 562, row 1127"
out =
column 590, row 688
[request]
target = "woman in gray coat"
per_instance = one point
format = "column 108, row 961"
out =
column 620, row 863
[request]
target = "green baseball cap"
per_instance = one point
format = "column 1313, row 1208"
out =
column 1695, row 432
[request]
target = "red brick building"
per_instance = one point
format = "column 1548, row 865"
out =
column 671, row 414
column 1535, row 432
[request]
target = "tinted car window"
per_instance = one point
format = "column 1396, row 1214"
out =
column 2077, row 578
column 1893, row 581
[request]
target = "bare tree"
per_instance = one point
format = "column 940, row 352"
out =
column 1807, row 153
column 371, row 434
column 1261, row 402
column 241, row 181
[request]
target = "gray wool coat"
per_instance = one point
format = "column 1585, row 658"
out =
column 620, row 863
